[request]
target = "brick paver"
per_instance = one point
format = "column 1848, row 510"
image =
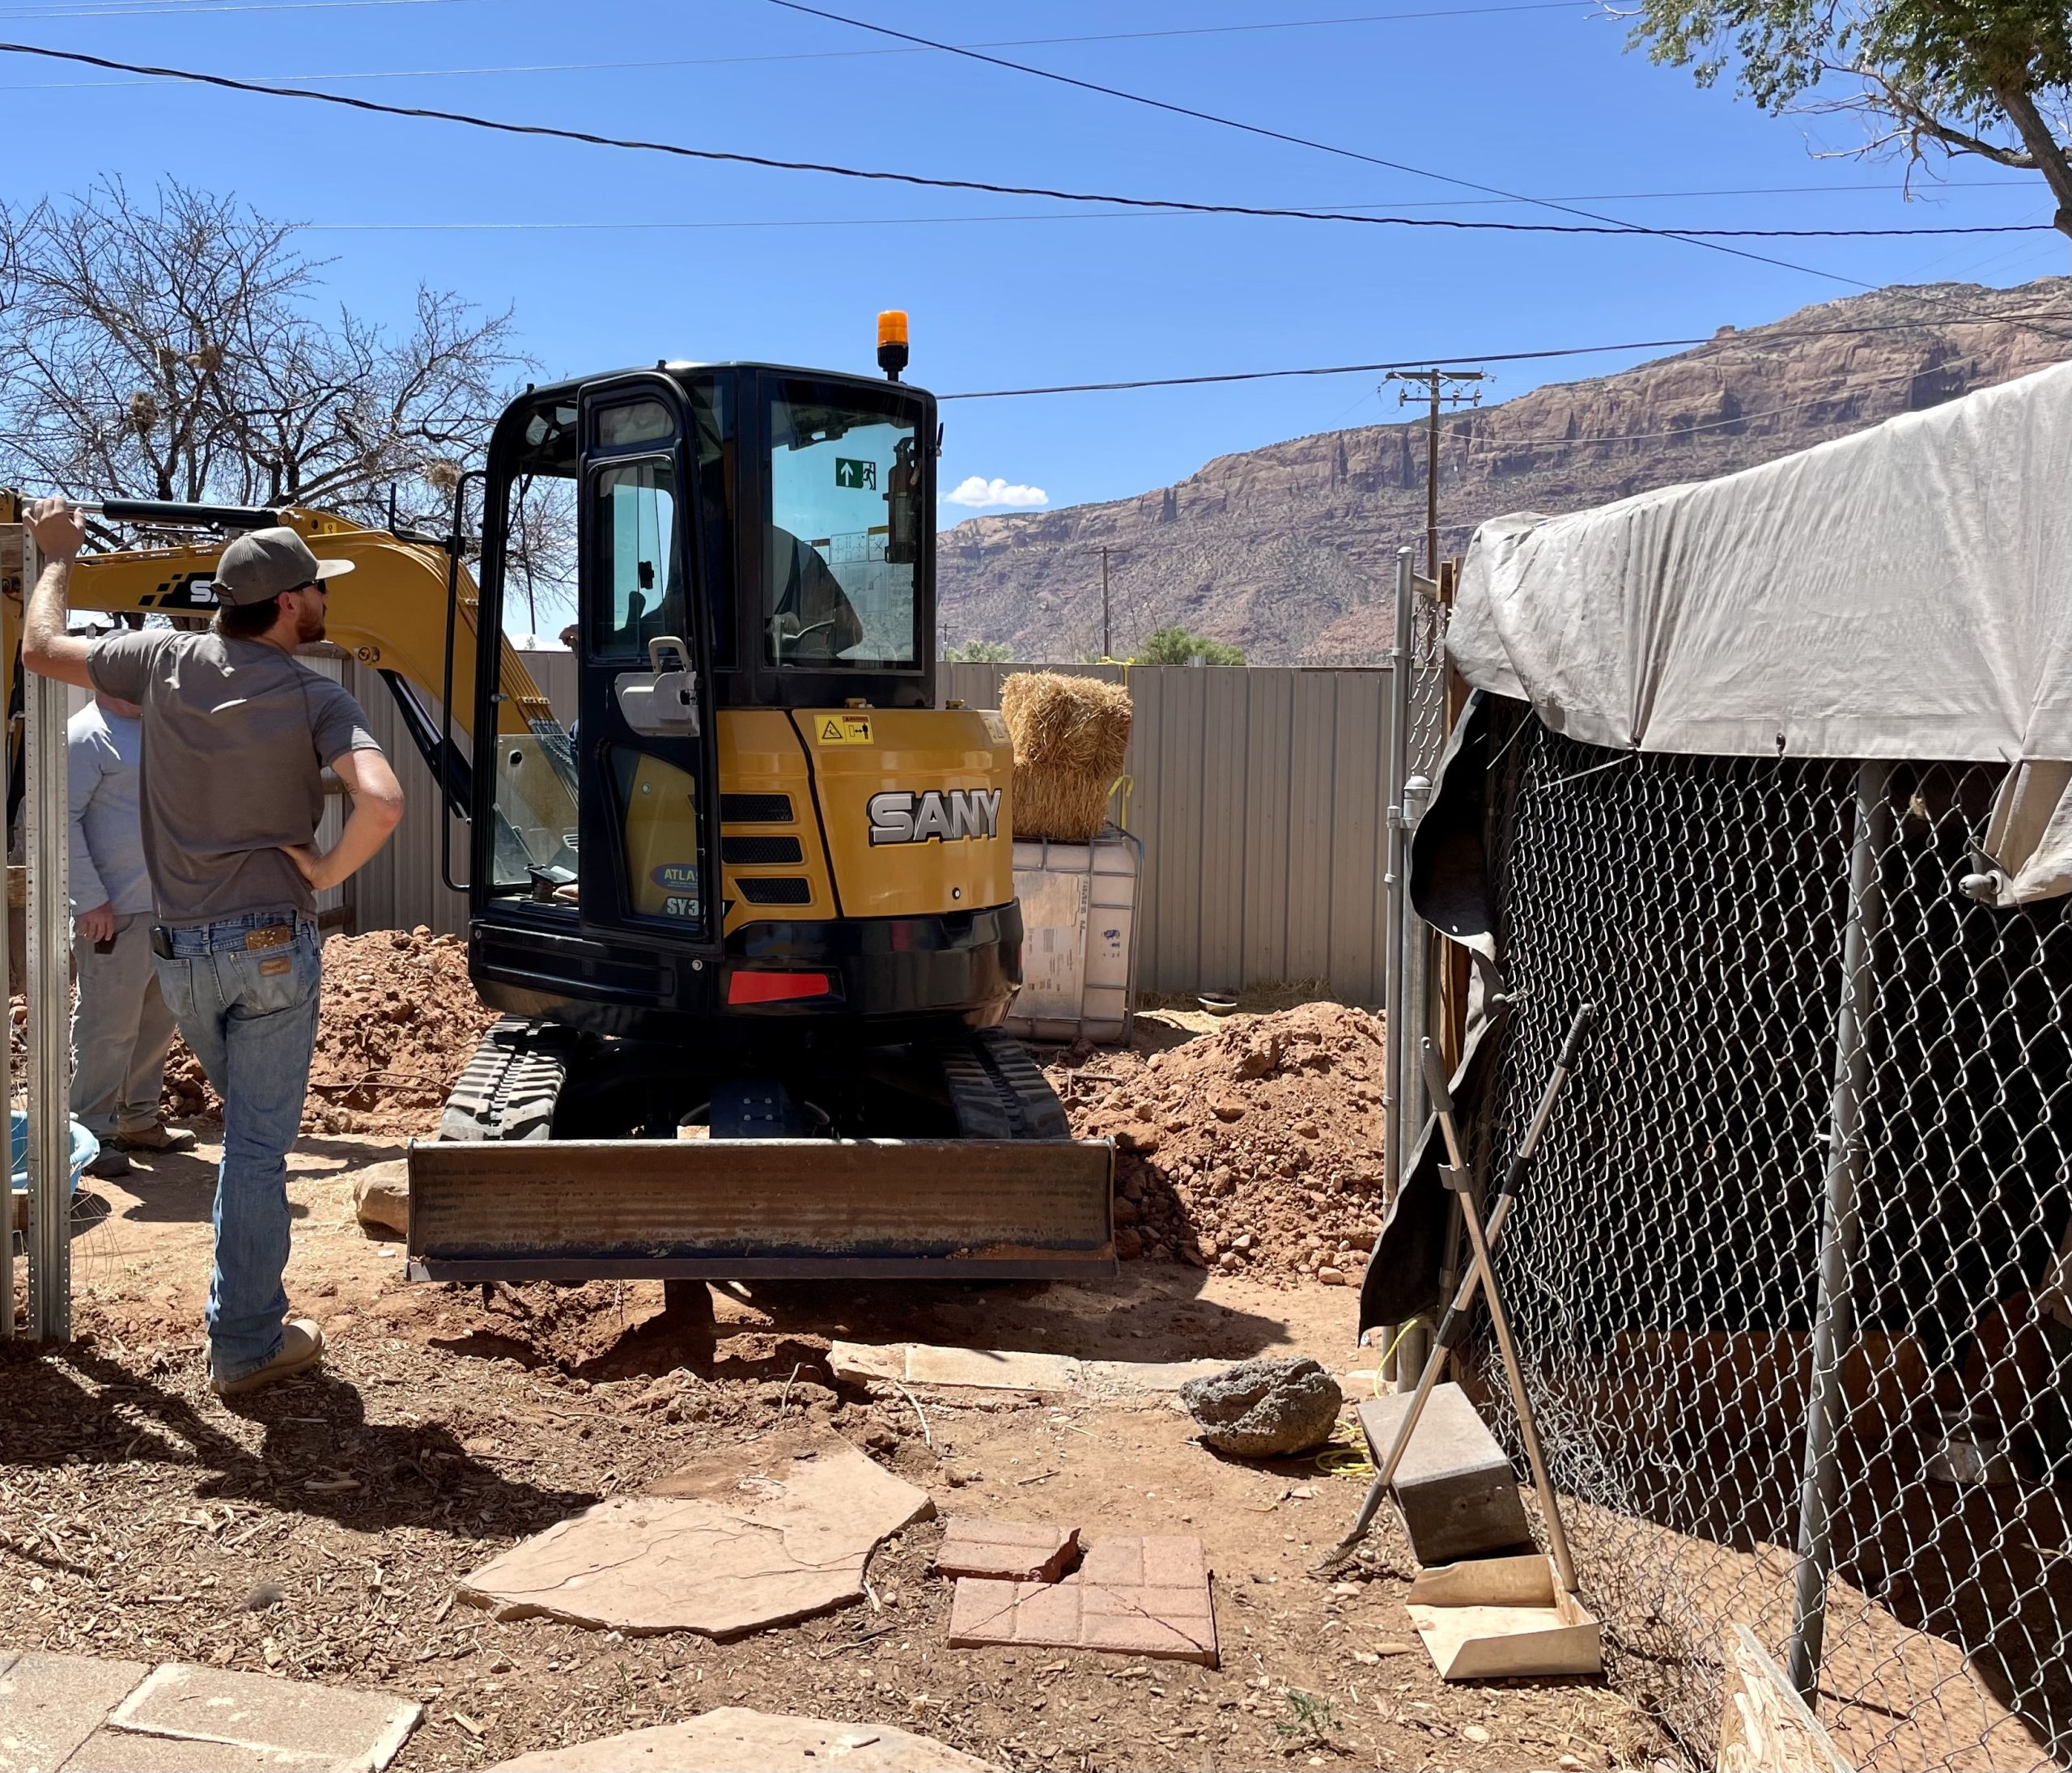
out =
column 1010, row 1550
column 1133, row 1596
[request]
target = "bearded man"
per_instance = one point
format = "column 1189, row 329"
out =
column 237, row 732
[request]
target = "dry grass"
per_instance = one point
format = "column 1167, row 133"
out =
column 1070, row 736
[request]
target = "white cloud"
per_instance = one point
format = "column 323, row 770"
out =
column 976, row 492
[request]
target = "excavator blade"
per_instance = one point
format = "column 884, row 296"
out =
column 567, row 1210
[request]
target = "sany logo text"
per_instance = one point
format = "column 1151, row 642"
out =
column 936, row 817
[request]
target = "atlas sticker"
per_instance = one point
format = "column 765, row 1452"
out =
column 676, row 876
column 936, row 816
column 843, row 729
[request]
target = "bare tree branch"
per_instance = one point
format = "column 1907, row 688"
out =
column 171, row 349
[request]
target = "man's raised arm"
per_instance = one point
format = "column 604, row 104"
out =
column 47, row 649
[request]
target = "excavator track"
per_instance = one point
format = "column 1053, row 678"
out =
column 997, row 1091
column 509, row 1088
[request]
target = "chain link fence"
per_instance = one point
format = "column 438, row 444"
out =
column 1788, row 1276
column 1427, row 685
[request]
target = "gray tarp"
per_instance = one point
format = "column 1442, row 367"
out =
column 1902, row 593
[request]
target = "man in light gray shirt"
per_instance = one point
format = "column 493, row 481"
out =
column 122, row 1028
column 237, row 733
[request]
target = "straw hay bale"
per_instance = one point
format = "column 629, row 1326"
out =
column 1070, row 736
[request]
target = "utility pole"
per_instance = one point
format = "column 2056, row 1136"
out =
column 1107, row 639
column 1442, row 387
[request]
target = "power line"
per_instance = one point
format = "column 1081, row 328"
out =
column 1176, row 205
column 1431, row 359
column 1307, row 141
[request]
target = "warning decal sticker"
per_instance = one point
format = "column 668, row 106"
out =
column 843, row 729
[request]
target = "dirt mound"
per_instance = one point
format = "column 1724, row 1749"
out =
column 399, row 1020
column 1258, row 1148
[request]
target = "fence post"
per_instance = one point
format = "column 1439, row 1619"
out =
column 19, row 535
column 48, row 997
column 1398, row 1050
column 1833, row 1316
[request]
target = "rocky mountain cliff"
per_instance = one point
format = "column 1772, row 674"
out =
column 1285, row 551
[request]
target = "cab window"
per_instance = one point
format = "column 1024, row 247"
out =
column 633, row 531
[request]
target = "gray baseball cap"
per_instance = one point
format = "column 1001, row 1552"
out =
column 263, row 563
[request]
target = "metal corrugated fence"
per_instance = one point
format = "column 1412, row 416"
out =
column 1258, row 793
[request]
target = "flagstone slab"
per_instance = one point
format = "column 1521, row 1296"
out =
column 1009, row 1369
column 341, row 1727
column 50, row 1704
column 752, row 1536
column 735, row 1739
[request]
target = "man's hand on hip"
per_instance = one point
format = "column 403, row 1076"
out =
column 309, row 862
column 97, row 924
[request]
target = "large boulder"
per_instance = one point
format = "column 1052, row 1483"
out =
column 1264, row 1409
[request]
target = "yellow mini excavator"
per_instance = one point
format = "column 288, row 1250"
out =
column 750, row 917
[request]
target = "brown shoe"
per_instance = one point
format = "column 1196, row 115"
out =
column 157, row 1137
column 302, row 1348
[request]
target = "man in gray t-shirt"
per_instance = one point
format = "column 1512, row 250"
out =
column 237, row 733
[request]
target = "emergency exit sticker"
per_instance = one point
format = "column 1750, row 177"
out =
column 856, row 476
column 843, row 729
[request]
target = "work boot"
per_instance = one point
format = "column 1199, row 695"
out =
column 107, row 1161
column 157, row 1137
column 302, row 1348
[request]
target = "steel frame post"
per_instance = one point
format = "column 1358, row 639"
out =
column 29, row 569
column 1833, row 1311
column 48, row 997
column 1396, row 1048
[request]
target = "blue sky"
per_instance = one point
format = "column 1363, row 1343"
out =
column 726, row 262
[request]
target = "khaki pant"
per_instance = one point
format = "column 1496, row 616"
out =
column 120, row 1033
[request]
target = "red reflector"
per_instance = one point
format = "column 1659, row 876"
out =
column 776, row 987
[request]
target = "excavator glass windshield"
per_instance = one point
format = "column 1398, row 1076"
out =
column 842, row 529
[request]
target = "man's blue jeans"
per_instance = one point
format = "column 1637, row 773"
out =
column 250, row 1016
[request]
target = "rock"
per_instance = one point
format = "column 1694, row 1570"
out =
column 1140, row 1136
column 1264, row 1409
column 381, row 1198
column 1330, row 1277
column 756, row 1535
column 733, row 1738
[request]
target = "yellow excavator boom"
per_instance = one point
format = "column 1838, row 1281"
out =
column 389, row 614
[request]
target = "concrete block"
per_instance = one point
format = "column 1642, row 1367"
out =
column 1455, row 1487
column 51, row 1704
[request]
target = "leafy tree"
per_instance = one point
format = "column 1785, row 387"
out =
column 172, row 348
column 1175, row 646
column 1990, row 78
column 980, row 652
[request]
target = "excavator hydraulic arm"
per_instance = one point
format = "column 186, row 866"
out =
column 389, row 614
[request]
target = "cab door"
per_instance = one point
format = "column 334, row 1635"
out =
column 646, row 734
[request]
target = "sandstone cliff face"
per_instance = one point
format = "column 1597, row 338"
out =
column 1286, row 550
